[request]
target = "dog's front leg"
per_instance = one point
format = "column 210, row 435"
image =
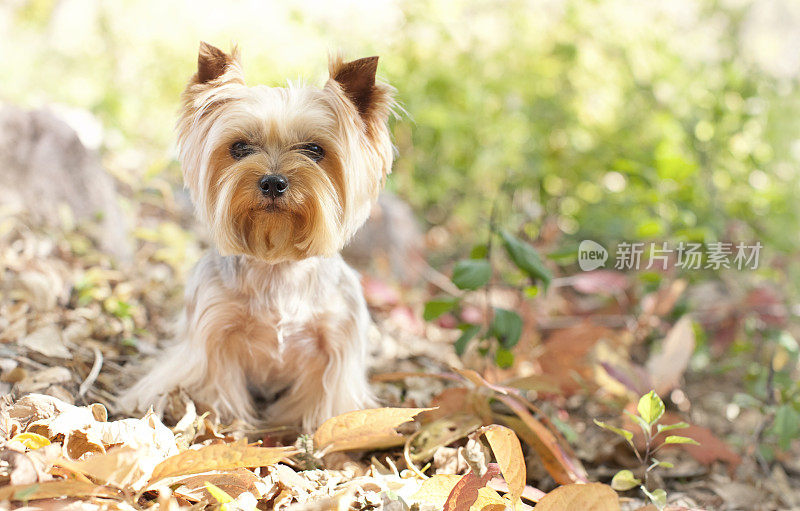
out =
column 331, row 377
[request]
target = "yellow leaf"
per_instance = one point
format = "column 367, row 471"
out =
column 586, row 497
column 218, row 493
column 508, row 452
column 436, row 490
column 219, row 457
column 31, row 440
column 364, row 429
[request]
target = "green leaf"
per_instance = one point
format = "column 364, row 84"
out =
column 624, row 481
column 657, row 497
column 656, row 463
column 675, row 439
column 507, row 327
column 466, row 336
column 531, row 291
column 651, row 408
column 471, row 273
column 668, row 427
column 437, row 307
column 786, row 426
column 646, row 428
column 503, row 358
column 624, row 433
column 526, row 258
column 479, row 251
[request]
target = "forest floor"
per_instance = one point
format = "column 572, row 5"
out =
column 74, row 326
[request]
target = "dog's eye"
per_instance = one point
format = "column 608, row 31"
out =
column 241, row 149
column 313, row 151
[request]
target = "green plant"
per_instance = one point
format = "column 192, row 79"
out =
column 503, row 326
column 774, row 390
column 649, row 413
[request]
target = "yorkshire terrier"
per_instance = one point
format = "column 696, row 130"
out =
column 283, row 178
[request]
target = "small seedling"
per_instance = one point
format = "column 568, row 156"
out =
column 650, row 410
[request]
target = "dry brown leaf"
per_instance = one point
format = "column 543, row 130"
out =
column 663, row 301
column 437, row 489
column 219, row 457
column 586, row 497
column 508, row 452
column 364, row 429
column 564, row 467
column 54, row 489
column 121, row 467
column 666, row 367
column 234, row 483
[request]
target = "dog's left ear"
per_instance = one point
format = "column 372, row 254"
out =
column 357, row 81
column 214, row 65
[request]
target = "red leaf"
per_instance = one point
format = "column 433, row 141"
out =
column 465, row 492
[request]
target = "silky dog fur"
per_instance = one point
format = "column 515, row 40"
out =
column 273, row 310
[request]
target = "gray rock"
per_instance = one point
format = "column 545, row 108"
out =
column 44, row 165
column 391, row 235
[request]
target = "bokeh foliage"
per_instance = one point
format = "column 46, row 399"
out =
column 615, row 120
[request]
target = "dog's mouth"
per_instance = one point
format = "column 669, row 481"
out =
column 273, row 206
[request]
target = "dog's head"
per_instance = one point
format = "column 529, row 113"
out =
column 284, row 173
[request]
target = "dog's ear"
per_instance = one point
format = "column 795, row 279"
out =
column 215, row 64
column 357, row 80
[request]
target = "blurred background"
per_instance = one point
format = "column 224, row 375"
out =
column 609, row 120
column 549, row 121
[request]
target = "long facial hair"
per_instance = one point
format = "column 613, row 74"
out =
column 327, row 200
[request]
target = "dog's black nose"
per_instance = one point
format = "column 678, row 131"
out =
column 273, row 185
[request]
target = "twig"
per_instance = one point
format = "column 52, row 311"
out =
column 407, row 455
column 440, row 280
column 93, row 373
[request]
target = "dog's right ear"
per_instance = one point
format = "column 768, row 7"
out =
column 214, row 64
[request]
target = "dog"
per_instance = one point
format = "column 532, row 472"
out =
column 282, row 177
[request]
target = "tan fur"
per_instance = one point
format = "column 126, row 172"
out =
column 274, row 308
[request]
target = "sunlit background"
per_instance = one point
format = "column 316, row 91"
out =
column 609, row 120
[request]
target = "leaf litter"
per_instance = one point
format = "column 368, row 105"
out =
column 71, row 322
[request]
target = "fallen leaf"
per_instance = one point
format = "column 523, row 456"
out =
column 364, row 429
column 450, row 401
column 31, row 440
column 562, row 465
column 138, row 433
column 122, row 467
column 233, row 483
column 378, row 293
column 442, row 432
column 508, row 452
column 666, row 367
column 583, row 497
column 606, row 282
column 437, row 489
column 219, row 457
column 55, row 489
column 567, row 359
column 466, row 491
column 18, row 468
column 661, row 302
column 47, row 341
